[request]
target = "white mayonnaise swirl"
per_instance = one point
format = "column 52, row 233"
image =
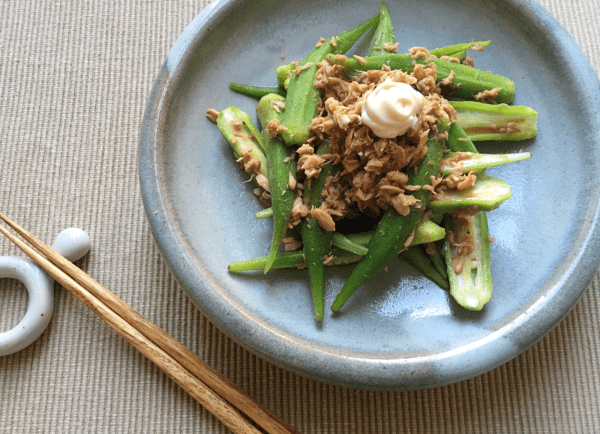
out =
column 391, row 109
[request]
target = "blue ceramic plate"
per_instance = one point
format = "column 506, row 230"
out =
column 399, row 331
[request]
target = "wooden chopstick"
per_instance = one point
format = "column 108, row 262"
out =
column 210, row 388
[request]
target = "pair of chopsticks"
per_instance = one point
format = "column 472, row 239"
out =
column 212, row 390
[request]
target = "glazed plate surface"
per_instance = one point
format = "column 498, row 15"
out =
column 399, row 331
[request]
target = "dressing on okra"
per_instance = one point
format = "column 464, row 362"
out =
column 391, row 109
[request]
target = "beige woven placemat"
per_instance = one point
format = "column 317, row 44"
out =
column 74, row 80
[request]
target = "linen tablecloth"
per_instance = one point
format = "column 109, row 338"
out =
column 74, row 80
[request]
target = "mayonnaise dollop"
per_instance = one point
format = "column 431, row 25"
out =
column 391, row 109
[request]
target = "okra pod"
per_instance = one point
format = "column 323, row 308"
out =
column 416, row 257
column 424, row 233
column 302, row 95
column 466, row 82
column 256, row 92
column 469, row 272
column 486, row 195
column 384, row 33
column 352, row 244
column 281, row 168
column 460, row 55
column 451, row 50
column 459, row 140
column 316, row 240
column 482, row 161
column 282, row 260
column 264, row 213
column 292, row 260
column 437, row 259
column 495, row 122
column 394, row 229
column 284, row 72
column 241, row 133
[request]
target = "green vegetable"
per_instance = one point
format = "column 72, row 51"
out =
column 286, row 83
column 460, row 55
column 264, row 213
column 384, row 33
column 483, row 161
column 459, row 140
column 244, row 136
column 256, row 92
column 284, row 72
column 495, row 122
column 292, row 260
column 302, row 95
column 466, row 273
column 487, row 194
column 241, row 133
column 466, row 83
column 427, row 231
column 359, row 238
column 341, row 257
column 344, row 251
column 282, row 260
column 416, row 257
column 316, row 240
column 280, row 168
column 470, row 284
column 451, row 50
column 438, row 261
column 347, row 243
column 394, row 229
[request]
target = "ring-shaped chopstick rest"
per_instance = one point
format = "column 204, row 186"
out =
column 73, row 244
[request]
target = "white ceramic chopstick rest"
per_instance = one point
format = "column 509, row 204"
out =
column 73, row 244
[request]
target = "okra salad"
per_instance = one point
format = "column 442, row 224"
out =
column 386, row 140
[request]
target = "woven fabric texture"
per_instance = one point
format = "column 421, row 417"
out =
column 74, row 80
